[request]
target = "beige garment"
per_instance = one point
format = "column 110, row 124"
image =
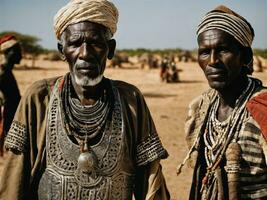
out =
column 26, row 158
column 157, row 189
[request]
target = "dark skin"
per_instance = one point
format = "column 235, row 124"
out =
column 13, row 56
column 222, row 60
column 86, row 48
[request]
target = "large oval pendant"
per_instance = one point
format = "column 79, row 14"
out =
column 87, row 161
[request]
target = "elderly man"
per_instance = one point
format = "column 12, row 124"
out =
column 10, row 53
column 83, row 136
column 226, row 125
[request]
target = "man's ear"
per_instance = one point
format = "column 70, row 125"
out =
column 247, row 55
column 60, row 50
column 247, row 60
column 112, row 47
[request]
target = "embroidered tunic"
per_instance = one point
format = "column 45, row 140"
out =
column 46, row 159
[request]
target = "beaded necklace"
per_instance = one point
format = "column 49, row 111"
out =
column 218, row 135
column 84, row 121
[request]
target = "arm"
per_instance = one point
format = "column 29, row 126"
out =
column 15, row 178
column 263, row 143
column 150, row 183
column 25, row 144
column 2, row 134
column 16, row 172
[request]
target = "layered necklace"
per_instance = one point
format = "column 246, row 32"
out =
column 218, row 135
column 84, row 120
column 85, row 123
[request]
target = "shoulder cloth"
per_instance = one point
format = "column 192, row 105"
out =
column 257, row 107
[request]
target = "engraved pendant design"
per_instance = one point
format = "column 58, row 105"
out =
column 87, row 161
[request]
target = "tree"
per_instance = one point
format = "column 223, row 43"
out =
column 28, row 43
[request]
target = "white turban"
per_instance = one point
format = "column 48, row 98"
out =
column 98, row 11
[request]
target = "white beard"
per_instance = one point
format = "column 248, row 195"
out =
column 85, row 81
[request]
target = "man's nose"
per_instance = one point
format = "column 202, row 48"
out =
column 84, row 51
column 213, row 57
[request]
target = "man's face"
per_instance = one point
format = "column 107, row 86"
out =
column 13, row 54
column 86, row 49
column 219, row 56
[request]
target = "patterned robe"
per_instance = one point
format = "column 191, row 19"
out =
column 253, row 172
column 42, row 161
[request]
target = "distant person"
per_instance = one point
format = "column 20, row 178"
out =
column 164, row 68
column 173, row 73
column 227, row 125
column 84, row 136
column 10, row 53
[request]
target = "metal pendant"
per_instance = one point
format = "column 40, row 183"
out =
column 87, row 160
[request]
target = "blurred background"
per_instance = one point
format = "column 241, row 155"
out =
column 156, row 51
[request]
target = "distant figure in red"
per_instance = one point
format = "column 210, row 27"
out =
column 10, row 54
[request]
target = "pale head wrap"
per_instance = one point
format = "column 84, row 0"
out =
column 7, row 42
column 225, row 19
column 98, row 11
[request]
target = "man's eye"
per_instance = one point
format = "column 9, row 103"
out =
column 204, row 52
column 223, row 50
column 97, row 44
column 74, row 43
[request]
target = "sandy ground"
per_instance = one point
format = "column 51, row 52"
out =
column 167, row 103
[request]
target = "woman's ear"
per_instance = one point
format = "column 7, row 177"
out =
column 112, row 47
column 60, row 50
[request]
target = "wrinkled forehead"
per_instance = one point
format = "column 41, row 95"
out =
column 215, row 36
column 88, row 29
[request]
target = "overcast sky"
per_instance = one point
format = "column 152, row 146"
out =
column 142, row 23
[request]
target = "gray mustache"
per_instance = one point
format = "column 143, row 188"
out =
column 83, row 64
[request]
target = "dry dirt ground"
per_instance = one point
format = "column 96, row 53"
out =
column 167, row 103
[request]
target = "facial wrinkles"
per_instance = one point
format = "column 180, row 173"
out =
column 82, row 46
column 83, row 36
column 210, row 42
column 210, row 39
column 85, row 80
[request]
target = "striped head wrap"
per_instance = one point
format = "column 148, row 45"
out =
column 98, row 11
column 7, row 42
column 225, row 19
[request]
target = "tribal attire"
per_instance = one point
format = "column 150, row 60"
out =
column 47, row 159
column 211, row 182
column 9, row 91
column 9, row 100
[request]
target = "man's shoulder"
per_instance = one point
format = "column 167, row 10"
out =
column 126, row 88
column 260, row 91
column 257, row 107
column 43, row 86
column 205, row 97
